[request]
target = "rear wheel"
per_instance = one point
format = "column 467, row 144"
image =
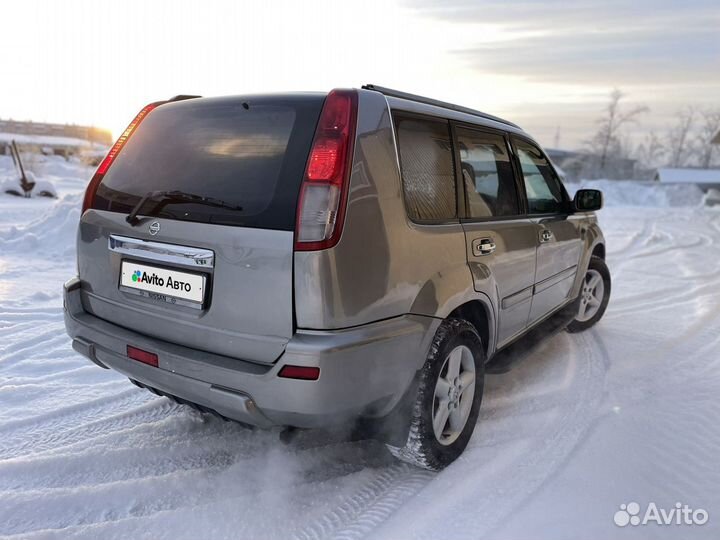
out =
column 448, row 399
column 594, row 296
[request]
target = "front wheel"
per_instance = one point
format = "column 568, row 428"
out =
column 448, row 399
column 594, row 296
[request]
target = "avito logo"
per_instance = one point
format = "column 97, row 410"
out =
column 630, row 514
column 153, row 279
column 150, row 279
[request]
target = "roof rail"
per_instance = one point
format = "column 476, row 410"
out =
column 429, row 101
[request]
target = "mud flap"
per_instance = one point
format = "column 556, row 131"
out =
column 392, row 429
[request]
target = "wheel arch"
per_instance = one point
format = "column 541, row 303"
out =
column 599, row 250
column 479, row 313
column 450, row 293
column 594, row 247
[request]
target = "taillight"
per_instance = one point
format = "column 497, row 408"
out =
column 323, row 195
column 112, row 154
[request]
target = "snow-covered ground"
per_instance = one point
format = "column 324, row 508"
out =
column 627, row 412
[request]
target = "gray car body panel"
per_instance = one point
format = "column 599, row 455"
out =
column 364, row 311
column 384, row 265
column 248, row 312
column 361, row 368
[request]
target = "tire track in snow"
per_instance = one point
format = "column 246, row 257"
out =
column 661, row 298
column 635, row 243
column 20, row 403
column 146, row 413
column 74, row 375
column 552, row 448
column 493, row 477
column 369, row 510
column 369, row 506
column 14, row 328
column 27, row 319
column 56, row 366
column 19, row 351
column 80, row 422
column 176, row 442
column 20, row 476
column 28, row 344
column 21, row 313
column 147, row 496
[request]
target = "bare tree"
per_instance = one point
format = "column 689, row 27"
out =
column 709, row 126
column 651, row 151
column 607, row 140
column 678, row 138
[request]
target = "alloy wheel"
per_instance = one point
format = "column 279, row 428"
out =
column 454, row 393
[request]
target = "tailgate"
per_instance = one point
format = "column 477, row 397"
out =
column 246, row 311
column 208, row 263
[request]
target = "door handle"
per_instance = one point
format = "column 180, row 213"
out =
column 483, row 246
column 546, row 235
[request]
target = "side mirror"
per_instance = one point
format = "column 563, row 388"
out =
column 588, row 200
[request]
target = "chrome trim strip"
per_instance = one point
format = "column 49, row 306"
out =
column 156, row 251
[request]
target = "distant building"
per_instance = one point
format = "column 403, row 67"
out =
column 86, row 133
column 58, row 139
column 704, row 178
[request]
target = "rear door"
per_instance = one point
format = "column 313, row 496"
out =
column 559, row 240
column 501, row 241
column 213, row 273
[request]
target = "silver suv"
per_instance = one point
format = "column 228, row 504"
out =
column 312, row 260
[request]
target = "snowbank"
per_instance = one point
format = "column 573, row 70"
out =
column 40, row 222
column 6, row 166
column 53, row 232
column 67, row 176
column 647, row 194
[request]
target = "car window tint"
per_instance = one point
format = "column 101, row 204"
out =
column 249, row 152
column 428, row 173
column 487, row 175
column 542, row 187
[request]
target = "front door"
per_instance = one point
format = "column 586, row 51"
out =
column 559, row 241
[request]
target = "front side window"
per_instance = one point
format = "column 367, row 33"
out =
column 428, row 173
column 487, row 175
column 543, row 188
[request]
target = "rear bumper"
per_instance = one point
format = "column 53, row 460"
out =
column 364, row 371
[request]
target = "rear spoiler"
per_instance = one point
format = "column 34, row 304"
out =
column 181, row 97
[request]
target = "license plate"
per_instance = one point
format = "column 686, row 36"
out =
column 161, row 282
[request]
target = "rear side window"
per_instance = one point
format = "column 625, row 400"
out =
column 487, row 175
column 247, row 153
column 428, row 173
column 542, row 186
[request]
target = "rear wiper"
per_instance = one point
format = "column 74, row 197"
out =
column 175, row 196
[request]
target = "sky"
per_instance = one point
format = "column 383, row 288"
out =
column 548, row 66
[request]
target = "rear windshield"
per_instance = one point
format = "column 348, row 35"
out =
column 244, row 155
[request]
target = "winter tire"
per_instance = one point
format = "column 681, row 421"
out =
column 448, row 398
column 594, row 296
